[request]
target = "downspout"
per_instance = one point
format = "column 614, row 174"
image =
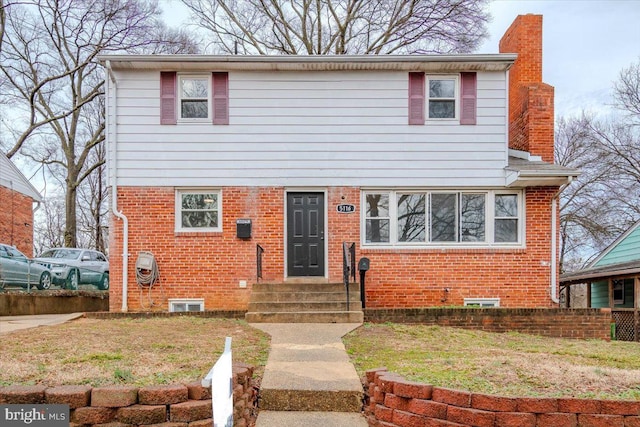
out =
column 114, row 191
column 554, row 243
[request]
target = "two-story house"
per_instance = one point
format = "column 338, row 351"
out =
column 439, row 167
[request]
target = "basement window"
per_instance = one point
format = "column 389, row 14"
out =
column 482, row 302
column 185, row 305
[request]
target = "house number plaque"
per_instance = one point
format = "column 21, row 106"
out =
column 344, row 208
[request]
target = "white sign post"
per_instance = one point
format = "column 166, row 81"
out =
column 220, row 378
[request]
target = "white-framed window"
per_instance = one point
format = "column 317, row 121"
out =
column 506, row 218
column 438, row 217
column 184, row 305
column 482, row 302
column 442, row 97
column 194, row 97
column 198, row 210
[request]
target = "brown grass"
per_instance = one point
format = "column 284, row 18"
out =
column 126, row 351
column 509, row 364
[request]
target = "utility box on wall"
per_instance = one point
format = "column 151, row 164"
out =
column 243, row 228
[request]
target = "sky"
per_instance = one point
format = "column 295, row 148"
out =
column 586, row 43
column 585, row 46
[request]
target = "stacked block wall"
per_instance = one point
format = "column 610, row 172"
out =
column 393, row 401
column 16, row 220
column 210, row 265
column 178, row 405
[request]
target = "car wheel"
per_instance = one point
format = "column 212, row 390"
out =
column 104, row 284
column 73, row 280
column 45, row 281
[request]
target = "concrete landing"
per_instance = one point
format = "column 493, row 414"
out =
column 310, row 419
column 308, row 370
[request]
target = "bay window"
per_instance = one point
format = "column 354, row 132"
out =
column 432, row 218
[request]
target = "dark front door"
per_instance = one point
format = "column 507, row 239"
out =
column 305, row 234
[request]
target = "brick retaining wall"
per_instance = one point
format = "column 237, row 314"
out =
column 588, row 323
column 181, row 405
column 392, row 401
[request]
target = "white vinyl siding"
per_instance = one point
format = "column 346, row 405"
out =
column 310, row 128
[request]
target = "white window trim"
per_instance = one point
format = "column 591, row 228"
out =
column 619, row 301
column 186, row 301
column 456, row 96
column 181, row 119
column 482, row 302
column 178, row 210
column 489, row 221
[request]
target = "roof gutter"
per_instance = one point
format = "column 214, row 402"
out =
column 442, row 63
column 114, row 190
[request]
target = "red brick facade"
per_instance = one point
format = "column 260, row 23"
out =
column 16, row 220
column 211, row 265
column 531, row 112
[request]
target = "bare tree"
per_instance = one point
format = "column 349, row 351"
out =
column 54, row 82
column 626, row 91
column 587, row 212
column 603, row 201
column 339, row 27
column 49, row 227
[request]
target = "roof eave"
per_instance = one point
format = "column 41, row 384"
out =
column 585, row 277
column 427, row 63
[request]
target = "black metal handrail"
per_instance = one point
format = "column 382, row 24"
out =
column 259, row 252
column 348, row 266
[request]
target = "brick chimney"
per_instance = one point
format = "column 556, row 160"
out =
column 531, row 110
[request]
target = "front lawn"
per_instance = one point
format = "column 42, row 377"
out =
column 126, row 351
column 509, row 364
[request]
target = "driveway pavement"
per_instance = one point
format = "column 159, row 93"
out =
column 15, row 323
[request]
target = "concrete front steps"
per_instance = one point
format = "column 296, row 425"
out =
column 309, row 380
column 304, row 302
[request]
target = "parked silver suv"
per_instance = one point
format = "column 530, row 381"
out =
column 71, row 267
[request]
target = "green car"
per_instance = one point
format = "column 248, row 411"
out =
column 18, row 270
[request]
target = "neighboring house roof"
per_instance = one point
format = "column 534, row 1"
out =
column 624, row 249
column 13, row 179
column 427, row 63
column 603, row 272
column 620, row 258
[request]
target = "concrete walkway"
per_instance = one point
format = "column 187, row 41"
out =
column 308, row 379
column 16, row 323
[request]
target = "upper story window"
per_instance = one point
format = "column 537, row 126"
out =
column 442, row 97
column 198, row 210
column 442, row 218
column 194, row 97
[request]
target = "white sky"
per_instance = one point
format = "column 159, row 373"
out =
column 585, row 44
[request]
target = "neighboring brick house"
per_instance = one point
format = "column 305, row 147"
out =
column 439, row 168
column 17, row 197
